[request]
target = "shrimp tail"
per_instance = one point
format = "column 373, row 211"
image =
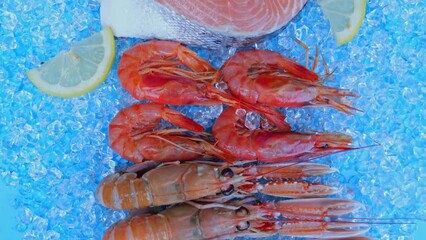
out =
column 180, row 120
column 213, row 150
column 297, row 69
column 227, row 99
column 273, row 115
column 276, row 118
column 193, row 61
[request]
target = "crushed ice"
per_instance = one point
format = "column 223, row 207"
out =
column 55, row 151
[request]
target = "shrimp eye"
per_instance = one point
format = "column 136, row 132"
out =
column 325, row 146
column 243, row 226
column 227, row 190
column 326, row 100
column 242, row 211
column 227, row 172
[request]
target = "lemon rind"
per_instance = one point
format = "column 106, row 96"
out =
column 348, row 34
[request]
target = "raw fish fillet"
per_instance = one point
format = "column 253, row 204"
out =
column 208, row 23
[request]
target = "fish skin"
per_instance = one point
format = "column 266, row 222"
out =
column 149, row 19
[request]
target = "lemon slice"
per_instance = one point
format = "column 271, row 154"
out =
column 79, row 70
column 345, row 17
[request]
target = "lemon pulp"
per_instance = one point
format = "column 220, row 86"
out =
column 78, row 71
column 345, row 16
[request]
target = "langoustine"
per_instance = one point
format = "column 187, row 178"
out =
column 211, row 182
column 322, row 144
column 298, row 218
column 132, row 134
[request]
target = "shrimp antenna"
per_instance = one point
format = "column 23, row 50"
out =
column 303, row 45
column 327, row 70
column 410, row 221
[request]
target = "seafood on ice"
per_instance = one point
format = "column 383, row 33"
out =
column 133, row 134
column 209, row 23
column 271, row 145
column 166, row 72
column 267, row 77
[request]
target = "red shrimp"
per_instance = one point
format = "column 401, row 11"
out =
column 132, row 135
column 266, row 77
column 156, row 71
column 210, row 182
column 213, row 221
column 165, row 57
column 272, row 145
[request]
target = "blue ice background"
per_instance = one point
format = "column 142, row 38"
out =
column 7, row 221
column 54, row 151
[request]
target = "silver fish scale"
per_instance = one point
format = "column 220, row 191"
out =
column 195, row 34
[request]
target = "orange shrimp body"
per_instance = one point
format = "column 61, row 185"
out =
column 177, row 90
column 266, row 77
column 156, row 71
column 271, row 146
column 166, row 57
column 171, row 184
column 132, row 135
column 229, row 221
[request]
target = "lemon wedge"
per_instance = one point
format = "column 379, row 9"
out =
column 345, row 16
column 78, row 71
